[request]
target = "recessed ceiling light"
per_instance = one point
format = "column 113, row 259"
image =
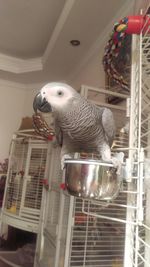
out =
column 75, row 42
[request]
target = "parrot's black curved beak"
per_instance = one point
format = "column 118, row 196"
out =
column 41, row 104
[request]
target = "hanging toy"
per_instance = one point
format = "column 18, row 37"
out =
column 41, row 127
column 126, row 26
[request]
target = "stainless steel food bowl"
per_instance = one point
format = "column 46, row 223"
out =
column 91, row 179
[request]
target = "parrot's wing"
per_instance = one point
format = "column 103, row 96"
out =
column 108, row 125
column 58, row 134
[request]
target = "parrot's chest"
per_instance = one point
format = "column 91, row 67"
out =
column 81, row 130
column 80, row 125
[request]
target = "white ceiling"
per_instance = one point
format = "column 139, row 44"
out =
column 35, row 35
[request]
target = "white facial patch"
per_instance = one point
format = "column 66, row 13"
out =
column 57, row 95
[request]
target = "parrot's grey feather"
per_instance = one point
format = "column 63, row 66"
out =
column 58, row 133
column 108, row 125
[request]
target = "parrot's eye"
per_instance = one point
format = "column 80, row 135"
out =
column 60, row 93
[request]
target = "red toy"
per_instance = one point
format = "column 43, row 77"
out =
column 136, row 24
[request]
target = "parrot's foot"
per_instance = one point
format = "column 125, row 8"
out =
column 117, row 164
column 66, row 156
column 117, row 161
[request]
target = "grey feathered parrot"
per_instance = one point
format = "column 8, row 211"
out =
column 80, row 126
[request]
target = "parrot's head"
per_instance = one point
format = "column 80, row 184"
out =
column 53, row 96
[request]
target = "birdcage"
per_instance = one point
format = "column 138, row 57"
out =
column 24, row 185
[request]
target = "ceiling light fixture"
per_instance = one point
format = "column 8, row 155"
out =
column 75, row 42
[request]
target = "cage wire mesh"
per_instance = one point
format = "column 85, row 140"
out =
column 56, row 217
column 97, row 241
column 35, row 174
column 143, row 253
column 99, row 229
column 15, row 182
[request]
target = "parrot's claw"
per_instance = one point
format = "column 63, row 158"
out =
column 117, row 164
column 66, row 156
column 117, row 161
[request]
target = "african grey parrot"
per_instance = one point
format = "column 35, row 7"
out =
column 80, row 126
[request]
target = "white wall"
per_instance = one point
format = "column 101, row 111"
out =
column 15, row 103
column 93, row 73
column 11, row 112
